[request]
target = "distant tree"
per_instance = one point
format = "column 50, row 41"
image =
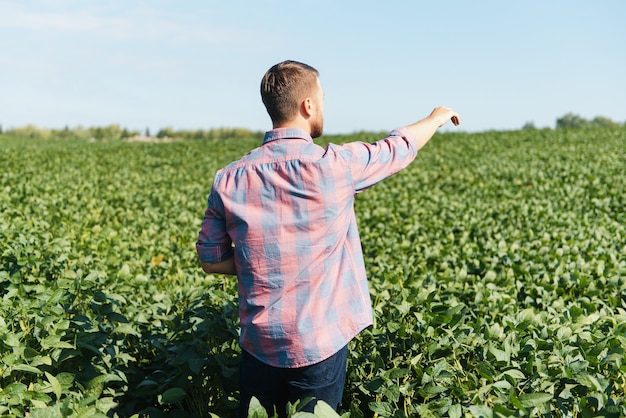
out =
column 30, row 131
column 571, row 121
column 128, row 133
column 604, row 122
column 106, row 133
column 167, row 132
column 97, row 133
column 80, row 133
column 62, row 133
column 147, row 132
column 529, row 126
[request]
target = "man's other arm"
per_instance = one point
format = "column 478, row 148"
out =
column 223, row 267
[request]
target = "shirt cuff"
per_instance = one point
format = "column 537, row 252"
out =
column 405, row 132
column 214, row 253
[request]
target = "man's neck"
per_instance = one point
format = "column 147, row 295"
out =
column 297, row 123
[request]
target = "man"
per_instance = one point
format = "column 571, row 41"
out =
column 282, row 219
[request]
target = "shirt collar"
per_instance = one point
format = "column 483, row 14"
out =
column 286, row 133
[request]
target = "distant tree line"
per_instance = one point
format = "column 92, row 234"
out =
column 573, row 121
column 216, row 133
column 115, row 132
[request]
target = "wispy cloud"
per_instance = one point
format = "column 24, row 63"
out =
column 134, row 25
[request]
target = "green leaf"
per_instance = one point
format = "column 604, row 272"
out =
column 10, row 359
column 126, row 329
column 589, row 381
column 37, row 396
column 27, row 368
column 89, row 412
column 486, row 370
column 13, row 389
column 12, row 340
column 54, row 341
column 455, row 411
column 96, row 385
column 500, row 355
column 256, row 410
column 148, row 383
column 30, row 353
column 56, row 386
column 514, row 373
column 530, row 400
column 502, row 384
column 172, row 395
column 65, row 379
column 383, row 409
column 404, row 307
column 323, row 410
column 481, row 411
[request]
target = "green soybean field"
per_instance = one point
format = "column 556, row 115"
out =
column 496, row 262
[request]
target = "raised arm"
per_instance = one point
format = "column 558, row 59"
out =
column 426, row 128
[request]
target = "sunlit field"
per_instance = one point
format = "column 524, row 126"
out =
column 497, row 266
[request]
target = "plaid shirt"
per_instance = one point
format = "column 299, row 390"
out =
column 285, row 211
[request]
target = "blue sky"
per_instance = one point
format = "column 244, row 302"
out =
column 197, row 64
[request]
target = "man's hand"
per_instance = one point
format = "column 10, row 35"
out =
column 223, row 267
column 425, row 128
column 444, row 114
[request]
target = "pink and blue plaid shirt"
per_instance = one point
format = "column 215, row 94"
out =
column 285, row 211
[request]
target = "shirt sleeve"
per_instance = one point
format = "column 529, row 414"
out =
column 214, row 244
column 371, row 163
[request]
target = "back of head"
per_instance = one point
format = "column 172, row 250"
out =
column 283, row 88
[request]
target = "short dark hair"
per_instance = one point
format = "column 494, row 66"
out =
column 284, row 86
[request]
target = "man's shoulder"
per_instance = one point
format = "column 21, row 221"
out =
column 247, row 159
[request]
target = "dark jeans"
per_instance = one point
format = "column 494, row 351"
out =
column 274, row 386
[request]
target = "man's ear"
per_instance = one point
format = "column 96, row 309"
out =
column 307, row 106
